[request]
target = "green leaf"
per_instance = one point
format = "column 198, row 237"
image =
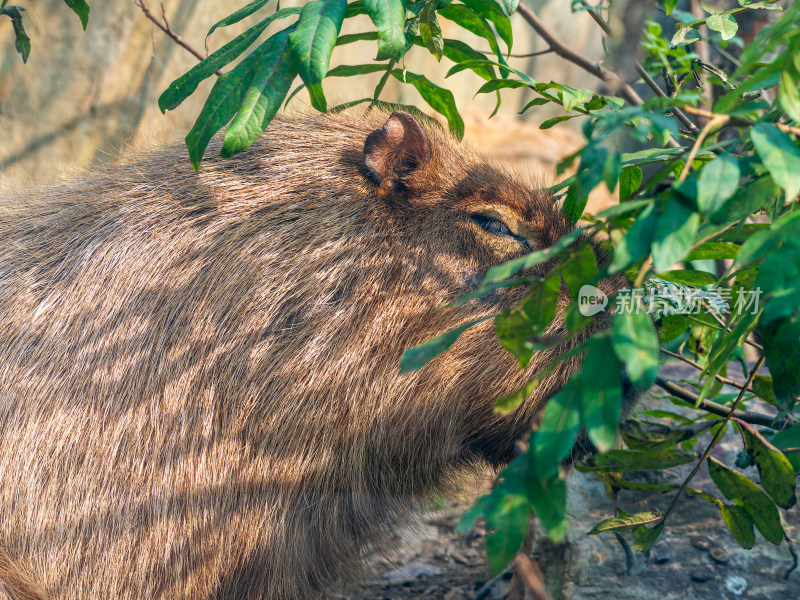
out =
column 534, row 102
column 736, row 518
column 780, row 156
column 439, row 99
column 685, row 35
column 789, row 438
column 718, row 181
column 22, row 43
column 623, row 461
column 492, row 12
column 762, row 386
column 618, row 482
column 714, row 251
column 508, row 526
column 747, row 495
column 779, row 279
column 686, row 277
column 80, row 8
column 458, row 51
column 350, row 38
column 724, row 345
column 354, row 8
column 625, row 523
column 747, row 199
column 636, row 243
column 549, row 500
column 507, row 404
column 761, row 243
column 510, row 6
column 600, row 393
column 224, row 101
column 724, row 23
column 417, row 357
column 579, row 269
column 507, row 269
column 185, row 85
column 555, row 120
column 673, row 234
column 518, row 326
column 389, row 17
column 788, row 93
column 781, row 339
column 672, row 327
column 312, row 42
column 242, row 13
column 429, row 29
column 269, row 85
column 636, row 345
column 777, row 474
column 740, row 524
column 668, row 5
column 630, row 178
column 351, row 70
column 560, row 425
column 655, row 436
column 644, row 538
column 498, row 84
column 467, row 19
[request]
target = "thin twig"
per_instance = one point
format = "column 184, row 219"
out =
column 715, row 122
column 718, row 409
column 557, row 46
column 484, row 590
column 640, row 70
column 713, row 442
column 692, row 363
column 526, row 55
column 738, row 122
column 794, row 556
column 167, row 29
column 382, row 83
column 531, row 575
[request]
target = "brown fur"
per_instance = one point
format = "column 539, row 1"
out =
column 199, row 385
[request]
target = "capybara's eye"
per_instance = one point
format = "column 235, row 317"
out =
column 497, row 227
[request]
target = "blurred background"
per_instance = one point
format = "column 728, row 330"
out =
column 83, row 98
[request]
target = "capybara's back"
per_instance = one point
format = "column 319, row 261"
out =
column 200, row 393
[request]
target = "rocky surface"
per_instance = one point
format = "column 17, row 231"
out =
column 696, row 558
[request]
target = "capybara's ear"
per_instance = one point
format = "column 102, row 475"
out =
column 397, row 148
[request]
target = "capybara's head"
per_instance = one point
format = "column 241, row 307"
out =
column 391, row 221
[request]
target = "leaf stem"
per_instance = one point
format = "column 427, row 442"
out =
column 382, row 83
column 739, row 122
column 714, row 440
column 714, row 122
column 640, row 70
column 718, row 409
column 167, row 29
column 692, row 363
column 567, row 53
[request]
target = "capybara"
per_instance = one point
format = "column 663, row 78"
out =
column 199, row 373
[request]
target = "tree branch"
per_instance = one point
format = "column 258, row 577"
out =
column 728, row 120
column 531, row 575
column 575, row 58
column 723, row 411
column 692, row 363
column 651, row 83
column 167, row 29
column 717, row 436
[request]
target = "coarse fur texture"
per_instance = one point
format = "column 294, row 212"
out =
column 199, row 385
